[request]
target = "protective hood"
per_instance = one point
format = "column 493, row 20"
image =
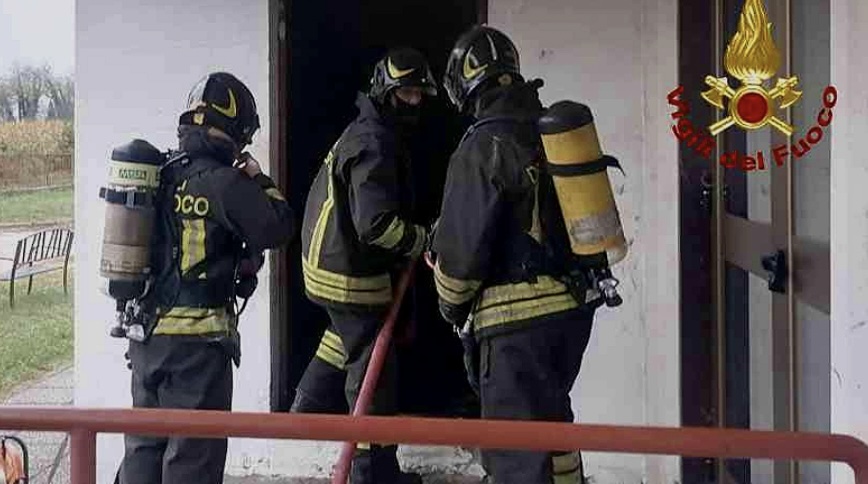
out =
column 520, row 99
column 195, row 141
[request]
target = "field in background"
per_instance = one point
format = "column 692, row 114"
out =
column 50, row 136
column 36, row 154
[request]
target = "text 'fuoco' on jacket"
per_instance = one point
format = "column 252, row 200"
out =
column 214, row 208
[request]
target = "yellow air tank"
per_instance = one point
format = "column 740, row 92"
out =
column 129, row 221
column 578, row 169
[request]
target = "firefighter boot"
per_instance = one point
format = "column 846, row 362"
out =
column 376, row 464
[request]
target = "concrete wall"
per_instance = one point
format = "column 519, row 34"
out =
column 848, row 212
column 136, row 62
column 619, row 57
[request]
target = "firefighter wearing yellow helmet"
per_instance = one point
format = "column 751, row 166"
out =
column 218, row 214
column 357, row 230
column 503, row 268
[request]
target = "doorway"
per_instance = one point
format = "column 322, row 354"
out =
column 755, row 326
column 322, row 54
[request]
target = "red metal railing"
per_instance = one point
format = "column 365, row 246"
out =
column 84, row 424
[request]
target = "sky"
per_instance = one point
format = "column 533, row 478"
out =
column 37, row 32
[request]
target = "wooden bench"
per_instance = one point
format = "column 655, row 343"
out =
column 38, row 253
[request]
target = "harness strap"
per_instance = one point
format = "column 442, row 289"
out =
column 589, row 168
column 544, row 259
column 188, row 290
column 131, row 199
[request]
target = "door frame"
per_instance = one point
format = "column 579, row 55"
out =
column 279, row 112
column 697, row 396
column 280, row 278
column 716, row 235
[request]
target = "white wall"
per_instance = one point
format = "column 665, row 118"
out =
column 620, row 58
column 136, row 62
column 849, row 209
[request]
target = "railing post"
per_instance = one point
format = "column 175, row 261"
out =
column 82, row 456
column 860, row 468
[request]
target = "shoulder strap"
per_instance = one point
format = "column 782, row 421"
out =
column 602, row 164
column 491, row 120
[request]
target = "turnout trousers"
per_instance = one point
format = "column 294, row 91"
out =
column 357, row 328
column 321, row 388
column 527, row 374
column 177, row 372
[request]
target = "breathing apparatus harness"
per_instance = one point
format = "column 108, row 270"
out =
column 137, row 318
column 552, row 255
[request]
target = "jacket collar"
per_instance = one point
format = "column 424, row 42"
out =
column 367, row 108
column 195, row 141
column 520, row 100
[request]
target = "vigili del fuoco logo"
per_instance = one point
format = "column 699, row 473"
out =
column 752, row 58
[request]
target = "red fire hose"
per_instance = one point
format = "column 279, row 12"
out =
column 372, row 374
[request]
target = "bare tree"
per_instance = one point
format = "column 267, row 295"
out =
column 29, row 85
column 7, row 101
column 61, row 94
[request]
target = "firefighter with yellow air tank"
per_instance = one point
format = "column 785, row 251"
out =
column 213, row 215
column 521, row 251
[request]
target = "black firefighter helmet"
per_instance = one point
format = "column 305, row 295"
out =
column 480, row 54
column 402, row 66
column 222, row 101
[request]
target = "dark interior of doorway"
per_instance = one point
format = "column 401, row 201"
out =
column 331, row 47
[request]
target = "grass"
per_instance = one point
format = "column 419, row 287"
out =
column 42, row 205
column 35, row 336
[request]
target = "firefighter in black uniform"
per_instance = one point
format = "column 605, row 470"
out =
column 357, row 235
column 525, row 331
column 220, row 220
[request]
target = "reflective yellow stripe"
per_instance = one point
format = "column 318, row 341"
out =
column 338, row 287
column 374, row 290
column 367, row 445
column 516, row 302
column 192, row 244
column 330, row 356
column 331, row 350
column 392, row 236
column 274, row 193
column 186, row 320
column 419, row 242
column 333, row 340
column 324, row 213
column 371, row 283
column 565, row 463
column 544, row 286
column 454, row 291
column 566, row 469
column 188, row 312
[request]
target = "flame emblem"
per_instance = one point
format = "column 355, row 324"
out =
column 753, row 58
